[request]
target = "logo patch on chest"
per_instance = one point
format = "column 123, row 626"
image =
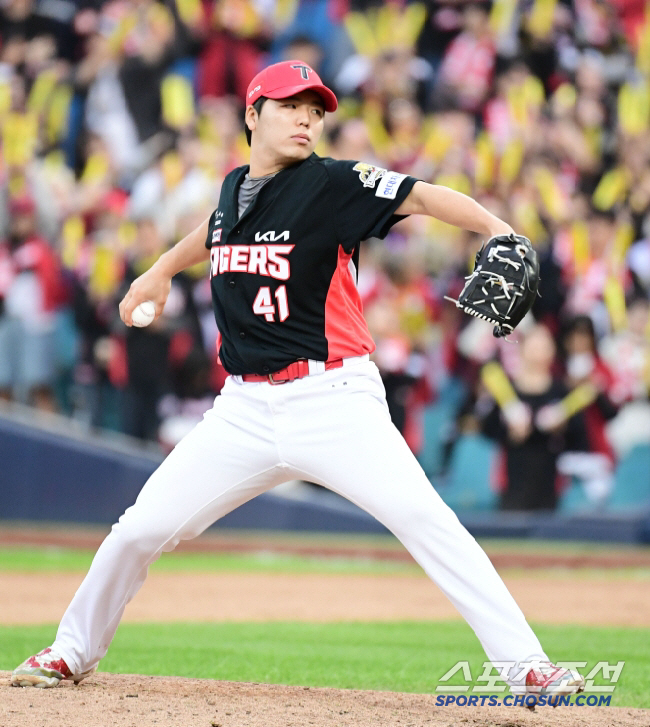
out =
column 368, row 173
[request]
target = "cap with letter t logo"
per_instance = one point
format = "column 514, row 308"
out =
column 288, row 78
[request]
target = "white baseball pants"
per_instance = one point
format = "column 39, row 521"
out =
column 332, row 428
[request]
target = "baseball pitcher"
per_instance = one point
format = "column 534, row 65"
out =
column 303, row 400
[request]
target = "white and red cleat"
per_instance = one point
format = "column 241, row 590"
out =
column 552, row 681
column 43, row 670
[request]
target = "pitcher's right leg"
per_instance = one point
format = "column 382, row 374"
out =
column 227, row 459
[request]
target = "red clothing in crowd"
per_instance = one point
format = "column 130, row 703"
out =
column 631, row 14
column 468, row 66
column 37, row 256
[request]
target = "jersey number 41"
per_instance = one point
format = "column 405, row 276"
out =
column 263, row 304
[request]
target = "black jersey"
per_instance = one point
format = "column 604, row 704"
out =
column 282, row 276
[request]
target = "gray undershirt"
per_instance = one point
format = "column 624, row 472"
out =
column 249, row 189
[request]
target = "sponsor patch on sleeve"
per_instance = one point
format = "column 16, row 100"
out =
column 216, row 235
column 389, row 185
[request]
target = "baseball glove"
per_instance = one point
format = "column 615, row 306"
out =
column 504, row 283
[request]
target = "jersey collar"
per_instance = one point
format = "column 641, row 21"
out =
column 243, row 171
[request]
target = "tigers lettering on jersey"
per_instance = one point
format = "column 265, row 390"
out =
column 266, row 260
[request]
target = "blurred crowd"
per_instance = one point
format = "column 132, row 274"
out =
column 120, row 118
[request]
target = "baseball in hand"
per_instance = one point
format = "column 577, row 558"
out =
column 144, row 314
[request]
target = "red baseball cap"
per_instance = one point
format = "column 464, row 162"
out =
column 285, row 79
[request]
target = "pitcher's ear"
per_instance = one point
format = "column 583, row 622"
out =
column 250, row 118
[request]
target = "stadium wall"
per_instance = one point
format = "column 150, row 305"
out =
column 50, row 472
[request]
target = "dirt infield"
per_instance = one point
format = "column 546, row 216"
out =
column 43, row 597
column 542, row 579
column 139, row 701
column 142, row 701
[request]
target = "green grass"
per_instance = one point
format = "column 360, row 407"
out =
column 559, row 547
column 54, row 559
column 67, row 560
column 404, row 656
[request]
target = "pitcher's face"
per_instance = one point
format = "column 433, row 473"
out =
column 288, row 128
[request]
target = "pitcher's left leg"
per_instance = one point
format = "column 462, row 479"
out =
column 352, row 448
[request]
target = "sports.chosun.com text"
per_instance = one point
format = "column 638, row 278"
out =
column 523, row 700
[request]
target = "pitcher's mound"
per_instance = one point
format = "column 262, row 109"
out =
column 143, row 701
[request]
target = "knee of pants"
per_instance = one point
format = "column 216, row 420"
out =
column 407, row 518
column 415, row 518
column 146, row 538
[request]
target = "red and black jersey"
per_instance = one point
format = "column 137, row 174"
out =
column 283, row 275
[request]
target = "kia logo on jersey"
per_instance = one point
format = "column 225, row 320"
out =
column 266, row 260
column 271, row 236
